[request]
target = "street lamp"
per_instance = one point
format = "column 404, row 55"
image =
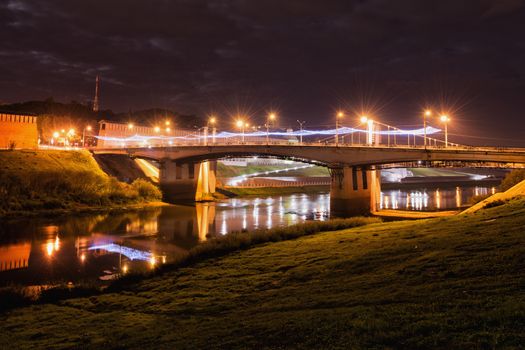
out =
column 130, row 126
column 271, row 117
column 301, row 130
column 212, row 122
column 337, row 117
column 370, row 134
column 445, row 119
column 240, row 124
column 427, row 113
column 88, row 128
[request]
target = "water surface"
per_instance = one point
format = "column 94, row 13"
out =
column 38, row 251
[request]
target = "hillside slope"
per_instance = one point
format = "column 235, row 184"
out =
column 33, row 181
column 517, row 190
column 454, row 282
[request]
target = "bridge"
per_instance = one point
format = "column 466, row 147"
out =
column 188, row 171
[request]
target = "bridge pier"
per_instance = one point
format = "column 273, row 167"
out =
column 187, row 182
column 354, row 191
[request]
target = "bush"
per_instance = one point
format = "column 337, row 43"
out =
column 476, row 199
column 512, row 178
column 147, row 190
column 495, row 203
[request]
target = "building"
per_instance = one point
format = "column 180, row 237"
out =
column 111, row 134
column 18, row 131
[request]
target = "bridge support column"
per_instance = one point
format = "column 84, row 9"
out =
column 187, row 182
column 354, row 191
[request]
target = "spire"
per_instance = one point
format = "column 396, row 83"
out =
column 95, row 101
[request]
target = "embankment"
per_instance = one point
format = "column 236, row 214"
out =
column 269, row 191
column 50, row 181
column 454, row 282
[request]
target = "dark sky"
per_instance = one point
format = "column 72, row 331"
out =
column 304, row 59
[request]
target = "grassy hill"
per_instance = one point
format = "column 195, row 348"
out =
column 49, row 180
column 454, row 282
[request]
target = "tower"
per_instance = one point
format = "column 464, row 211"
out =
column 95, row 101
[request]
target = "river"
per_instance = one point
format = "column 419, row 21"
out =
column 46, row 251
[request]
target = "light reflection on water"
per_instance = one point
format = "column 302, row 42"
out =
column 432, row 199
column 102, row 246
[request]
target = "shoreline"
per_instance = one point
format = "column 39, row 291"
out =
column 80, row 210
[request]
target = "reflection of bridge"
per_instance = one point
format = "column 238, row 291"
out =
column 188, row 171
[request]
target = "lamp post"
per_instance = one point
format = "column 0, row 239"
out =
column 212, row 122
column 240, row 124
column 445, row 119
column 370, row 123
column 270, row 118
column 301, row 131
column 427, row 113
column 337, row 117
column 88, row 128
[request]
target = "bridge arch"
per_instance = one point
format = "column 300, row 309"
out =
column 189, row 171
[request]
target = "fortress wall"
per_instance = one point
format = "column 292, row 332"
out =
column 20, row 130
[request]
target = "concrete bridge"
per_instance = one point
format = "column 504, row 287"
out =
column 188, row 172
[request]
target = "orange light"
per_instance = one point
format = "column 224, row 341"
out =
column 428, row 112
column 157, row 129
column 364, row 119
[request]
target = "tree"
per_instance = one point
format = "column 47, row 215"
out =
column 512, row 178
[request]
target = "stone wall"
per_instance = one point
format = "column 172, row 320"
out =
column 18, row 130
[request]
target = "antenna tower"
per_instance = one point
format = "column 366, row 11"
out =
column 95, row 101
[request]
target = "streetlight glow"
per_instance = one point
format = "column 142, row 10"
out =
column 130, row 126
column 157, row 129
column 445, row 119
column 364, row 119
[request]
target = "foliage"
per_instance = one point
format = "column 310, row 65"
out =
column 39, row 180
column 512, row 178
column 147, row 190
column 476, row 199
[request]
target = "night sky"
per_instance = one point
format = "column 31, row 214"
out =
column 303, row 59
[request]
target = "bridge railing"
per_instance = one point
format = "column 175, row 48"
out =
column 313, row 144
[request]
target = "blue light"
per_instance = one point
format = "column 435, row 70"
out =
column 226, row 134
column 130, row 253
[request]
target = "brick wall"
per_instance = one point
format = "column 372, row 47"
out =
column 20, row 129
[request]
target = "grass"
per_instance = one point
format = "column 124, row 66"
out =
column 32, row 181
column 454, row 282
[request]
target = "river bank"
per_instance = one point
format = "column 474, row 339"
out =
column 34, row 182
column 445, row 282
column 269, row 191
